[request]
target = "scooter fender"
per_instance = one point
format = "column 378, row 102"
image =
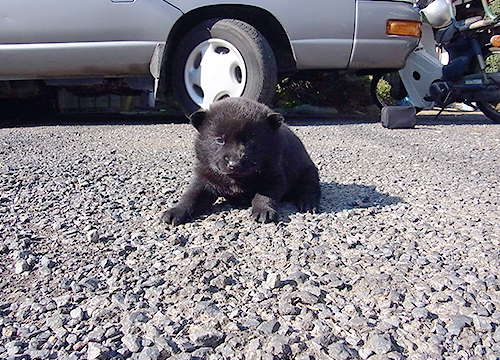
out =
column 420, row 71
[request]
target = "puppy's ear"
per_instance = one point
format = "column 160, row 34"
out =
column 197, row 118
column 275, row 120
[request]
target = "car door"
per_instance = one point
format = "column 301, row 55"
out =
column 57, row 38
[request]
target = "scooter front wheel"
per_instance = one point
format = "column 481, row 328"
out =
column 490, row 108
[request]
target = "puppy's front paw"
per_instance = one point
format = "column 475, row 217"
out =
column 264, row 209
column 175, row 216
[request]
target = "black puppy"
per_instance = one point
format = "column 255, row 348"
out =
column 245, row 152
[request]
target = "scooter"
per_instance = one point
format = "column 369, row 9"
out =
column 472, row 74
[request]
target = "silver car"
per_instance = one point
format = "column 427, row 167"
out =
column 201, row 50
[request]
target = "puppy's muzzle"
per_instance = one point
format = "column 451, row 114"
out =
column 238, row 166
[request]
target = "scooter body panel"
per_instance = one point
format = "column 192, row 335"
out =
column 420, row 71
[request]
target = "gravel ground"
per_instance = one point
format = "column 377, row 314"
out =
column 402, row 262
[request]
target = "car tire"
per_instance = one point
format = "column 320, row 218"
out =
column 223, row 58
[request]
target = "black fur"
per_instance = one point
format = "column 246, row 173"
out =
column 245, row 152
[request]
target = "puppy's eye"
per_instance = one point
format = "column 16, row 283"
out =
column 219, row 141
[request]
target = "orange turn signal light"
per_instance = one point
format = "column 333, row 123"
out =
column 404, row 28
column 495, row 40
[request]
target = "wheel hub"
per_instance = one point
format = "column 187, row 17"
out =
column 214, row 70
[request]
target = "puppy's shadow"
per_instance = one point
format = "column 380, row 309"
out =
column 334, row 199
column 338, row 197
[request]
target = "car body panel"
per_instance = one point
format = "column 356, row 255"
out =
column 60, row 21
column 332, row 39
column 49, row 60
column 115, row 38
column 54, row 39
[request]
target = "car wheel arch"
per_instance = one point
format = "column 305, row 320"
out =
column 261, row 19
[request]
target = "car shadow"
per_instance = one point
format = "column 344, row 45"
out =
column 31, row 114
column 31, row 119
column 424, row 118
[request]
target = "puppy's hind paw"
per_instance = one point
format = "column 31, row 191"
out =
column 308, row 206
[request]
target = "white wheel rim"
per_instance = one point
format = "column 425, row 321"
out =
column 214, row 70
